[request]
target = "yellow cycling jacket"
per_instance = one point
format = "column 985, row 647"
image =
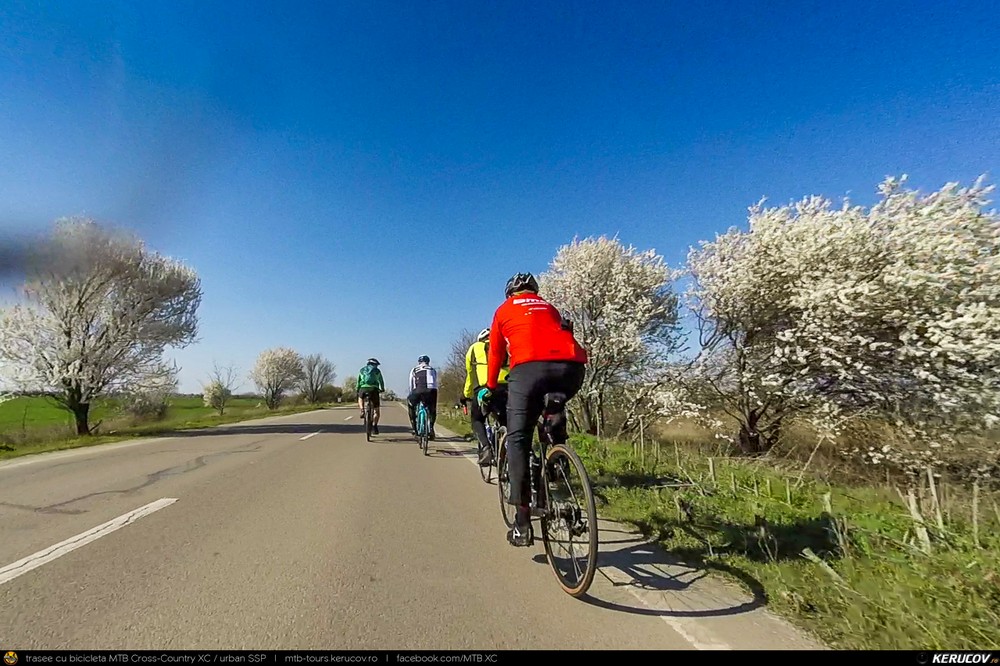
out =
column 475, row 366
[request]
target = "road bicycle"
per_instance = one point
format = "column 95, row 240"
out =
column 560, row 514
column 496, row 437
column 423, row 429
column 369, row 415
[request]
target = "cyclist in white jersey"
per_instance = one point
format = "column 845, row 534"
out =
column 423, row 388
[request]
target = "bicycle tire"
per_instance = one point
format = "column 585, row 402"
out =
column 579, row 588
column 423, row 429
column 503, row 481
column 486, row 471
column 369, row 415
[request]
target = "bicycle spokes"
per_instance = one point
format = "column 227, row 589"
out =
column 570, row 524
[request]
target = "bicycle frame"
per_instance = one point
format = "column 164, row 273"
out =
column 369, row 414
column 423, row 431
column 538, row 482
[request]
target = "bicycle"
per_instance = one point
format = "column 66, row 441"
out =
column 369, row 415
column 496, row 436
column 423, row 430
column 555, row 514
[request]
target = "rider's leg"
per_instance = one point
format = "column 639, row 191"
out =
column 431, row 400
column 523, row 409
column 567, row 378
column 479, row 426
column 361, row 403
column 376, row 410
column 411, row 408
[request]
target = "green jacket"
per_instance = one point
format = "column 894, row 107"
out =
column 370, row 377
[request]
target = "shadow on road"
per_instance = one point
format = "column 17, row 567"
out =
column 649, row 568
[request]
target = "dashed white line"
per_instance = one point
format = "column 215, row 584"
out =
column 302, row 439
column 23, row 566
column 349, row 418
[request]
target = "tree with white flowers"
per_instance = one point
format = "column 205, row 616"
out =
column 831, row 312
column 99, row 311
column 625, row 314
column 277, row 371
column 219, row 390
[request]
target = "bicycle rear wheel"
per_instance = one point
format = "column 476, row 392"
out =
column 507, row 510
column 369, row 416
column 571, row 521
column 424, row 435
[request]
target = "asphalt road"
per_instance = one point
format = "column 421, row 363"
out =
column 294, row 532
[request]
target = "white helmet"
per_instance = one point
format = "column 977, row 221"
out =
column 483, row 335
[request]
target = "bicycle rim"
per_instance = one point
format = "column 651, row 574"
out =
column 486, row 471
column 572, row 508
column 503, row 481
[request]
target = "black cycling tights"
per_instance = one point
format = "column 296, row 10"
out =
column 527, row 385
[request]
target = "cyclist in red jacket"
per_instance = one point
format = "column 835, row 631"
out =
column 544, row 357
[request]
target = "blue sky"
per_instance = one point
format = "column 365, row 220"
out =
column 360, row 178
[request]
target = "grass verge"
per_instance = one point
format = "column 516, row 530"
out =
column 844, row 563
column 183, row 415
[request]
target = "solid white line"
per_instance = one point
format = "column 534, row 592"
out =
column 73, row 453
column 302, row 439
column 50, row 456
column 23, row 566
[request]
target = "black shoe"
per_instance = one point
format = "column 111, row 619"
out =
column 520, row 536
column 485, row 458
column 374, row 430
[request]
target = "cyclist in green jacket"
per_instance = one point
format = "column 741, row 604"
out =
column 370, row 382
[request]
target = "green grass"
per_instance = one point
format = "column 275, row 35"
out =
column 50, row 427
column 872, row 589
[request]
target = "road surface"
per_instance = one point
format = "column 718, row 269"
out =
column 295, row 533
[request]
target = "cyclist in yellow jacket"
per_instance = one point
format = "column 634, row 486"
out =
column 475, row 379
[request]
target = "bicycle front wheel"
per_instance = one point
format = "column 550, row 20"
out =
column 507, row 510
column 570, row 524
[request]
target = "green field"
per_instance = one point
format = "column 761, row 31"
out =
column 36, row 424
column 842, row 562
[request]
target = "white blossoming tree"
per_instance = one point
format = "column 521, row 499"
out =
column 99, row 311
column 219, row 390
column 833, row 312
column 625, row 314
column 277, row 371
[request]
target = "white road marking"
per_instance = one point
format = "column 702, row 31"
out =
column 694, row 632
column 349, row 418
column 82, row 451
column 23, row 566
column 46, row 456
column 302, row 439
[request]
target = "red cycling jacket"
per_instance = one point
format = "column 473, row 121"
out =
column 528, row 328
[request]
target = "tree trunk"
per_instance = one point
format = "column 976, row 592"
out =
column 81, row 414
column 590, row 422
column 753, row 441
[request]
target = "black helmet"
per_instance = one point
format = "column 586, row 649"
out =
column 521, row 282
column 424, row 359
column 373, row 361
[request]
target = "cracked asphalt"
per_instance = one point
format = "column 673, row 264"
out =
column 276, row 541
